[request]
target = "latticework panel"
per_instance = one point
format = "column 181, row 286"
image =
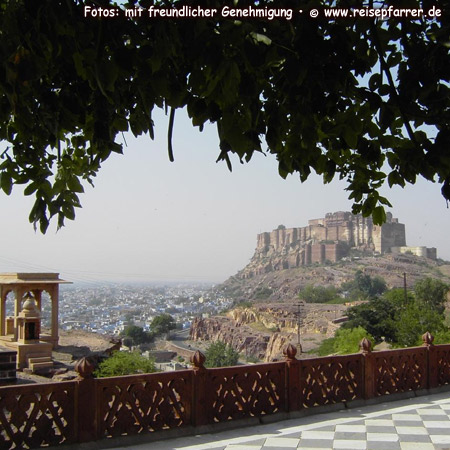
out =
column 328, row 380
column 400, row 370
column 246, row 391
column 144, row 403
column 37, row 415
column 443, row 364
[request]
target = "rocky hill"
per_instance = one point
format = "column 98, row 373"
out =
column 284, row 284
column 328, row 252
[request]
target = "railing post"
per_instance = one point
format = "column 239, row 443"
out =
column 432, row 362
column 293, row 388
column 199, row 410
column 368, row 368
column 86, row 401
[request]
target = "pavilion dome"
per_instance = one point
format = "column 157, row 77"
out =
column 29, row 308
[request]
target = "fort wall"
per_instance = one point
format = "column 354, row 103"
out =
column 425, row 252
column 327, row 239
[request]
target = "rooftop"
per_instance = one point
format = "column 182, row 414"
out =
column 33, row 277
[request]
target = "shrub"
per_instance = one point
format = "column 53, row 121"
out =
column 124, row 363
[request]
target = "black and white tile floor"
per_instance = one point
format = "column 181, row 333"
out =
column 419, row 423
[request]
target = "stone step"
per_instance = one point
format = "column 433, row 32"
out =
column 39, row 355
column 41, row 365
column 39, row 359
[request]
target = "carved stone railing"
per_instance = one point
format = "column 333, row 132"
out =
column 88, row 409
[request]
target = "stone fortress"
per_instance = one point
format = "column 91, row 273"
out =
column 329, row 239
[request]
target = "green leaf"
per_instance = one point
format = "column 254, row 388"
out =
column 73, row 183
column 258, row 37
column 351, row 138
column 30, row 189
column 6, row 182
column 379, row 215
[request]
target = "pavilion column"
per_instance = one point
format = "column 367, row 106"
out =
column 55, row 314
column 38, row 297
column 19, row 292
column 3, row 294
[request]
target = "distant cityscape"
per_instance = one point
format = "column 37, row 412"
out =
column 107, row 308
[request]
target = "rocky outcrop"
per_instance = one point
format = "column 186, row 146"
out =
column 263, row 331
column 241, row 337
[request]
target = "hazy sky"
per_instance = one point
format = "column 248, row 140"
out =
column 149, row 219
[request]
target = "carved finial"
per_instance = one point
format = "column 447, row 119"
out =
column 365, row 345
column 427, row 338
column 198, row 360
column 289, row 352
column 85, row 367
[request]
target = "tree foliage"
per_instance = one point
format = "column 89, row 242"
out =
column 364, row 286
column 262, row 293
column 416, row 319
column 137, row 335
column 402, row 321
column 344, row 98
column 162, row 324
column 219, row 354
column 344, row 342
column 124, row 363
column 318, row 294
column 376, row 316
column 432, row 292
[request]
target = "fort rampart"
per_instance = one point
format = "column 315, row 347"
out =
column 345, row 227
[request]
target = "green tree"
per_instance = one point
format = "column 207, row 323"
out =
column 379, row 315
column 344, row 342
column 432, row 292
column 262, row 293
column 162, row 324
column 336, row 97
column 416, row 319
column 124, row 363
column 364, row 286
column 442, row 337
column 318, row 294
column 219, row 354
column 137, row 334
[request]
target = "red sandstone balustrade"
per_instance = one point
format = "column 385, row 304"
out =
column 87, row 409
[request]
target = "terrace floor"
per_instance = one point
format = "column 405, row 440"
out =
column 417, row 423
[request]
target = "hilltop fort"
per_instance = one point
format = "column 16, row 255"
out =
column 328, row 239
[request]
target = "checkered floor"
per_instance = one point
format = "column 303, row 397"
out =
column 422, row 429
column 420, row 423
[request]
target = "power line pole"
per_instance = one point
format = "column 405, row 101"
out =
column 300, row 305
column 404, row 288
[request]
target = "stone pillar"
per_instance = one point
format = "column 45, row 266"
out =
column 38, row 297
column 87, row 401
column 293, row 386
column 368, row 368
column 19, row 291
column 55, row 314
column 199, row 414
column 3, row 295
column 432, row 361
